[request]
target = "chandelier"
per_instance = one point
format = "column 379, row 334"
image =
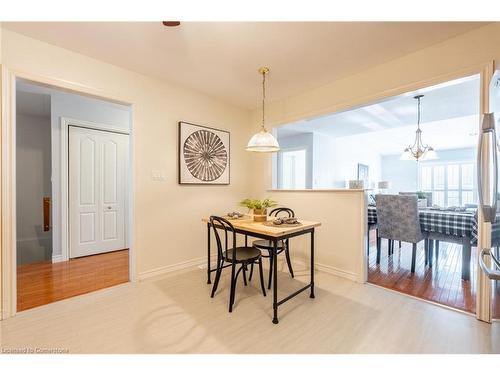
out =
column 263, row 141
column 419, row 150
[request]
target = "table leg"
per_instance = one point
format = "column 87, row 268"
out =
column 208, row 252
column 275, row 282
column 312, row 264
column 246, row 240
column 466, row 254
column 431, row 253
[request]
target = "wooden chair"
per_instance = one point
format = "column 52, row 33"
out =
column 283, row 246
column 398, row 220
column 234, row 255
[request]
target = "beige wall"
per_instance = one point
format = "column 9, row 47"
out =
column 339, row 241
column 462, row 53
column 168, row 227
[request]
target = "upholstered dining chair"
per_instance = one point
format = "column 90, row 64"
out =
column 370, row 228
column 428, row 197
column 398, row 220
column 283, row 246
column 228, row 252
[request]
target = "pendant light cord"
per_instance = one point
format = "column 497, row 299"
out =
column 263, row 99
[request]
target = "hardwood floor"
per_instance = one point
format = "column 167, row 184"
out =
column 442, row 283
column 42, row 283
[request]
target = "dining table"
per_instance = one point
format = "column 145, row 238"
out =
column 267, row 230
column 460, row 224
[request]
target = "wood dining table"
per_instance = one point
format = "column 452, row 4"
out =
column 273, row 233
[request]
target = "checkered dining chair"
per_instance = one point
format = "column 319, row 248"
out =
column 398, row 220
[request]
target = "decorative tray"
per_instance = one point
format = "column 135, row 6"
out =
column 284, row 225
column 236, row 217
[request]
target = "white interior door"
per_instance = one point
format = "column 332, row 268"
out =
column 97, row 191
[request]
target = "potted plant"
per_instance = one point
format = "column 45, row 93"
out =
column 259, row 207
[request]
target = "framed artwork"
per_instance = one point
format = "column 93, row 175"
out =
column 204, row 155
column 363, row 175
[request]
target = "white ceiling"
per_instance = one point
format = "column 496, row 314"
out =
column 222, row 58
column 453, row 99
column 448, row 108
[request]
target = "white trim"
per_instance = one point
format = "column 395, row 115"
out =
column 66, row 122
column 8, row 307
column 201, row 263
column 9, row 272
column 328, row 269
column 57, row 258
column 189, row 264
column 484, row 301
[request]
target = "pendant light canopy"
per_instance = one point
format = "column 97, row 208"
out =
column 263, row 141
column 419, row 150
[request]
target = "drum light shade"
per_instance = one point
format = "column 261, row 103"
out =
column 263, row 141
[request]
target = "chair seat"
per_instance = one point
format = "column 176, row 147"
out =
column 268, row 245
column 243, row 254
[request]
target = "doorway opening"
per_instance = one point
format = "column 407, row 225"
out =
column 364, row 147
column 72, row 194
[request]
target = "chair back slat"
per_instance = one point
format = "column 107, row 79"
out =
column 222, row 226
column 398, row 218
column 276, row 211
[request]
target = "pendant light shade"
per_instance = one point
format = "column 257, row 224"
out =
column 430, row 154
column 263, row 141
column 406, row 155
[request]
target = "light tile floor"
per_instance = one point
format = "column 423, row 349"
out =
column 174, row 314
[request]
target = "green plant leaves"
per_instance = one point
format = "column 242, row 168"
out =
column 257, row 203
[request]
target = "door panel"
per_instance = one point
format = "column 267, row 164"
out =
column 87, row 227
column 97, row 185
column 87, row 171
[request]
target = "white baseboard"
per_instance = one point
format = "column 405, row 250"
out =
column 202, row 264
column 329, row 269
column 57, row 258
column 172, row 268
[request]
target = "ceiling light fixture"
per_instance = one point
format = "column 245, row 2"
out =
column 419, row 151
column 263, row 141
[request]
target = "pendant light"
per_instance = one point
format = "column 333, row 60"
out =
column 263, row 141
column 419, row 150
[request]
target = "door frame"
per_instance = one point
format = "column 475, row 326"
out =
column 485, row 72
column 66, row 123
column 8, row 261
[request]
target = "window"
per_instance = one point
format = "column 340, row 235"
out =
column 293, row 169
column 451, row 184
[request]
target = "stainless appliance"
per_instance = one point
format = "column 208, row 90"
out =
column 488, row 192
